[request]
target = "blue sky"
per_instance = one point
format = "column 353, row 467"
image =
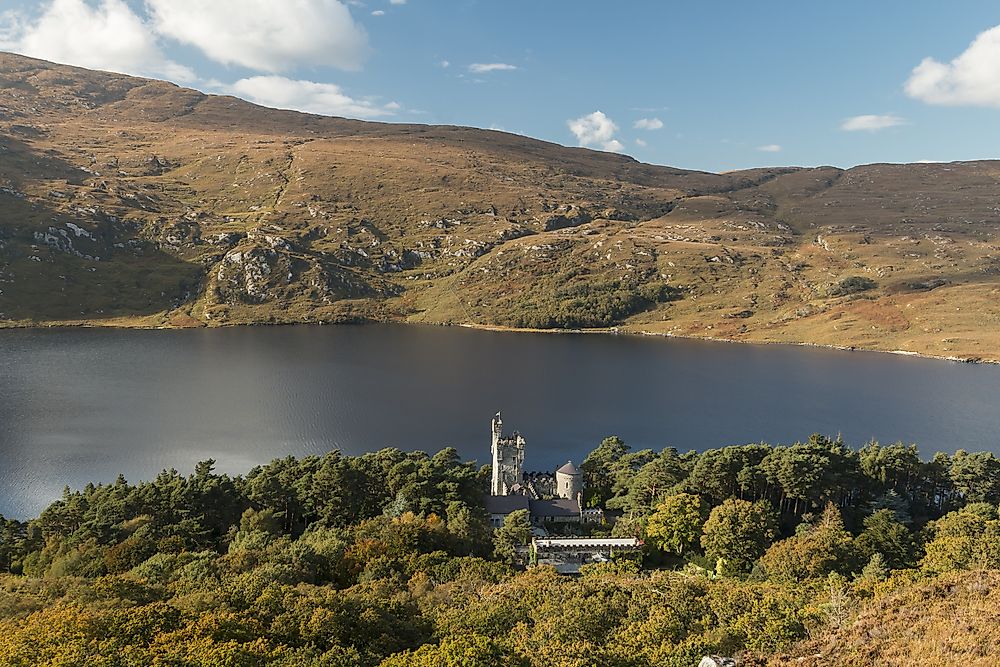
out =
column 721, row 85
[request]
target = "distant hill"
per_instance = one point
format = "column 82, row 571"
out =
column 133, row 202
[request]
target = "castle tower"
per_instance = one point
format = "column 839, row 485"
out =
column 508, row 459
column 569, row 481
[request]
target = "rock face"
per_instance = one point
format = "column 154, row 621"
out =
column 567, row 215
column 716, row 661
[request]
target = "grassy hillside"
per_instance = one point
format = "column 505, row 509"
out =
column 132, row 202
column 950, row 620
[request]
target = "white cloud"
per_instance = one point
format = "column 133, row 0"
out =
column 445, row 64
column 971, row 79
column 397, row 2
column 378, row 12
column 108, row 36
column 309, row 96
column 770, row 148
column 648, row 124
column 596, row 129
column 871, row 122
column 481, row 68
column 641, row 143
column 265, row 35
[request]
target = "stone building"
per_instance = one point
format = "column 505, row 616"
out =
column 568, row 554
column 508, row 460
column 548, row 498
column 569, row 482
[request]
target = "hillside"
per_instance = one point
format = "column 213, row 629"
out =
column 133, row 202
column 950, row 620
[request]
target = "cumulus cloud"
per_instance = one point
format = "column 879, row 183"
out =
column 481, row 68
column 596, row 129
column 770, row 148
column 265, row 35
column 309, row 96
column 641, row 143
column 971, row 79
column 108, row 36
column 378, row 12
column 871, row 122
column 648, row 124
column 397, row 2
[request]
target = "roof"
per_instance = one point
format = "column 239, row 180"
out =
column 505, row 504
column 558, row 507
column 569, row 469
column 586, row 543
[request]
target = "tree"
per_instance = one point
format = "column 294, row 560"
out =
column 876, row 569
column 730, row 472
column 976, row 477
column 737, row 533
column 965, row 539
column 675, row 526
column 884, row 534
column 598, row 469
column 652, row 482
column 813, row 552
column 470, row 530
column 811, row 473
column 893, row 467
column 515, row 532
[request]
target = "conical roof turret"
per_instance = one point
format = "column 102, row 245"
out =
column 569, row 469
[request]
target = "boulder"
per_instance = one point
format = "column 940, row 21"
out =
column 716, row 661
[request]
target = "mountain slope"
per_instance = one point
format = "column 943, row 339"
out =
column 133, row 202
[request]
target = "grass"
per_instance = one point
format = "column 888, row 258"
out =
column 951, row 620
column 454, row 225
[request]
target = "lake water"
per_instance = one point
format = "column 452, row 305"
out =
column 79, row 405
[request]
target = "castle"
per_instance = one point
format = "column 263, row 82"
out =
column 508, row 459
column 548, row 498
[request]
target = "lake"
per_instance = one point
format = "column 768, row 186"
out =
column 80, row 405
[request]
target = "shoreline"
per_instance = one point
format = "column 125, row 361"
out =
column 615, row 331
column 610, row 331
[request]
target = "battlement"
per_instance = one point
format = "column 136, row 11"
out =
column 508, row 459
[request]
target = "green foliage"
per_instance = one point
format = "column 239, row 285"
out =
column 886, row 537
column 599, row 469
column 388, row 559
column 737, row 533
column 965, row 539
column 461, row 651
column 515, row 532
column 812, row 553
column 676, row 525
column 581, row 304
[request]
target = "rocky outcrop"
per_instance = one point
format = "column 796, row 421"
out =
column 252, row 273
column 716, row 661
column 566, row 215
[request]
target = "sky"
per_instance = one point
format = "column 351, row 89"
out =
column 702, row 85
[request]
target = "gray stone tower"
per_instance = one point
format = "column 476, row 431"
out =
column 569, row 481
column 508, row 460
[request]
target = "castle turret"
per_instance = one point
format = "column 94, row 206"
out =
column 569, row 481
column 508, row 459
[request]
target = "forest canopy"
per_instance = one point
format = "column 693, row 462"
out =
column 389, row 559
